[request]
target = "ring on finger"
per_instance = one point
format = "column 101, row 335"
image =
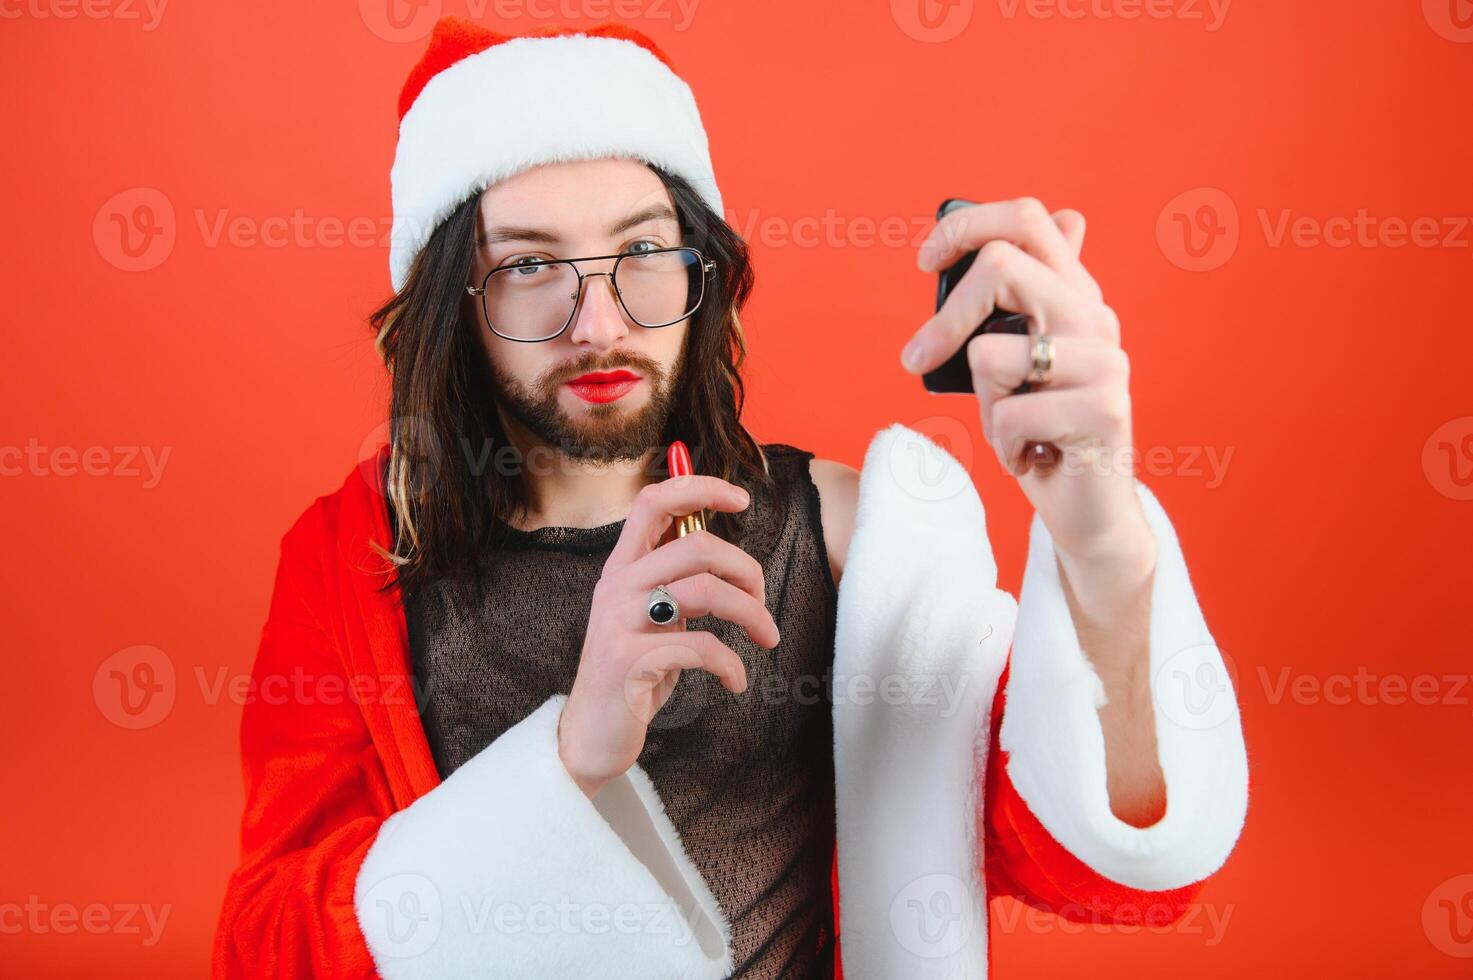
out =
column 664, row 608
column 1042, row 368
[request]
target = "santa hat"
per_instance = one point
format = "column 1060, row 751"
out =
column 481, row 106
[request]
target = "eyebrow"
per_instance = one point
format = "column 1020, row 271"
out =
column 514, row 233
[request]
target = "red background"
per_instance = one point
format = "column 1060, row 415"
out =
column 1333, row 541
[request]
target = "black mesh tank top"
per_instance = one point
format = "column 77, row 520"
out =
column 748, row 779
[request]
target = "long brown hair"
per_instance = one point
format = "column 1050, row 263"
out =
column 447, row 496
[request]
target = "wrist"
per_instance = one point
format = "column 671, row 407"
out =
column 1109, row 582
column 1123, row 548
column 1125, row 559
column 589, row 784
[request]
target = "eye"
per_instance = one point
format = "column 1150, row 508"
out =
column 530, row 264
column 652, row 243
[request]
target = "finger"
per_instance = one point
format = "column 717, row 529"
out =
column 1025, row 222
column 1071, row 223
column 703, row 594
column 1000, row 362
column 1095, row 414
column 693, row 650
column 657, row 506
column 1003, row 276
column 699, row 551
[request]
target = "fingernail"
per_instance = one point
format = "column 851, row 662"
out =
column 926, row 257
column 745, row 497
column 911, row 356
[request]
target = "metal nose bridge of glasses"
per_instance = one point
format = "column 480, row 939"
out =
column 707, row 267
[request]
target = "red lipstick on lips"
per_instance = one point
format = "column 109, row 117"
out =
column 603, row 386
column 678, row 458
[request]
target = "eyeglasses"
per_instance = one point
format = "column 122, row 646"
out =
column 535, row 301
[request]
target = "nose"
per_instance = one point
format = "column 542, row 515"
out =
column 599, row 319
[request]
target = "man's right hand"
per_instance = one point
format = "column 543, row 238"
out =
column 629, row 665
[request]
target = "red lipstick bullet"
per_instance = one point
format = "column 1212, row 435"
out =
column 678, row 459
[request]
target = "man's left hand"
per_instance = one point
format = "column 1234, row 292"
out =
column 1028, row 262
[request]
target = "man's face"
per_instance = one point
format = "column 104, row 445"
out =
column 570, row 210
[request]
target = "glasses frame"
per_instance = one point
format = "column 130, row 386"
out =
column 707, row 266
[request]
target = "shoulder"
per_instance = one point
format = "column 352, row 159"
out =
column 358, row 509
column 838, row 494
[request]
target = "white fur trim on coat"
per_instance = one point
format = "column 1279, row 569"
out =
column 506, row 869
column 921, row 639
column 1051, row 727
column 536, row 100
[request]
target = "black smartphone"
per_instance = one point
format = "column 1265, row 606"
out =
column 955, row 375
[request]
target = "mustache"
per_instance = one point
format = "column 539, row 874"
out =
column 644, row 366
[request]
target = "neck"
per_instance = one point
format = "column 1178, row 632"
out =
column 562, row 491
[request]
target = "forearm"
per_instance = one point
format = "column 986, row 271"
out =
column 1091, row 630
column 1109, row 597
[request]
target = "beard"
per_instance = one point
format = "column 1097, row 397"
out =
column 601, row 432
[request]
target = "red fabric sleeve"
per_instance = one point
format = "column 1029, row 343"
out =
column 834, row 890
column 1023, row 859
column 316, row 794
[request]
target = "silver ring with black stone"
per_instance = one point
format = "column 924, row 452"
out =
column 663, row 609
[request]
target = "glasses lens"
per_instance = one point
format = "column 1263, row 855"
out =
column 531, row 302
column 659, row 288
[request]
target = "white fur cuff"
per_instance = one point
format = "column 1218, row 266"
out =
column 921, row 639
column 506, row 869
column 1051, row 727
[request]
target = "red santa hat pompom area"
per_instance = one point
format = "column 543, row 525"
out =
column 480, row 107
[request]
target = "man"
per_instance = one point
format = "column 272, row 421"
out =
column 741, row 750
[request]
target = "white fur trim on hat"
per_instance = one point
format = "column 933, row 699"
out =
column 535, row 100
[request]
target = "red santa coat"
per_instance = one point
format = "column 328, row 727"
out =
column 961, row 772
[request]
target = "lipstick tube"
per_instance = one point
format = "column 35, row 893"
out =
column 678, row 459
